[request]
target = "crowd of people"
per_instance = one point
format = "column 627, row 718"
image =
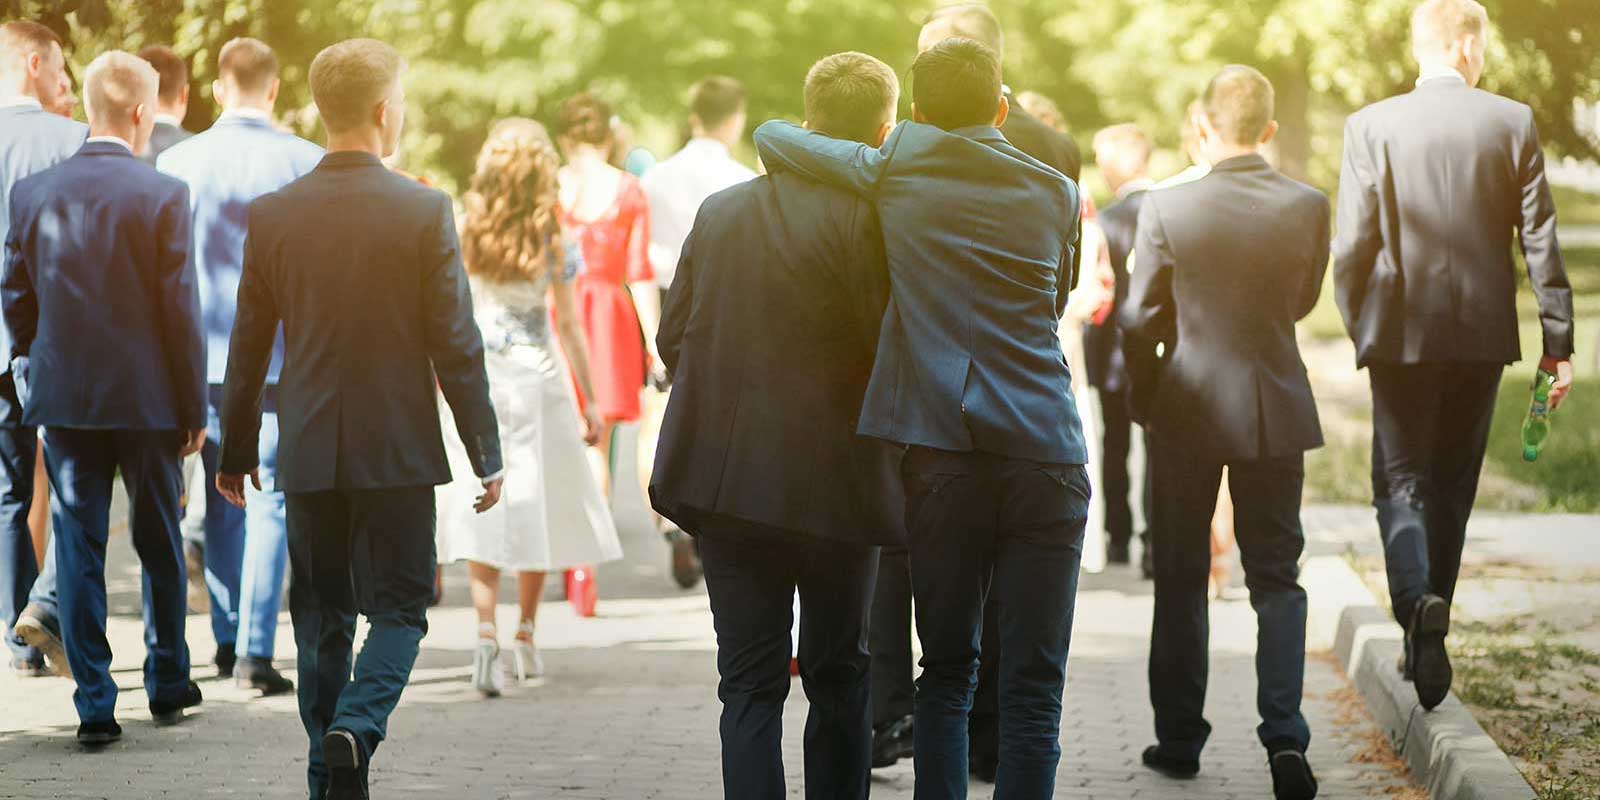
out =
column 897, row 361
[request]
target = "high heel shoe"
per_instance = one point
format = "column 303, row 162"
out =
column 486, row 676
column 525, row 656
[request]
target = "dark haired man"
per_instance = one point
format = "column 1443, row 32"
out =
column 675, row 188
column 1231, row 392
column 776, row 309
column 970, row 376
column 240, row 158
column 33, row 80
column 172, row 100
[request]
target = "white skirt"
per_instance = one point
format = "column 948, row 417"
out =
column 551, row 515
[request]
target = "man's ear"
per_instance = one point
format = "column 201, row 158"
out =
column 883, row 133
column 1003, row 111
column 380, row 114
column 916, row 116
column 806, row 124
column 1266, row 135
column 219, row 93
column 272, row 91
column 140, row 113
column 183, row 96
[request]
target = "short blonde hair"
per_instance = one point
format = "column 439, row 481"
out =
column 115, row 83
column 850, row 96
column 1438, row 24
column 1127, row 138
column 352, row 77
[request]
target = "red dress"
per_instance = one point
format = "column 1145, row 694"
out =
column 615, row 253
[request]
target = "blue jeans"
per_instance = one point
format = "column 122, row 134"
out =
column 82, row 465
column 369, row 552
column 1266, row 512
column 978, row 520
column 247, row 550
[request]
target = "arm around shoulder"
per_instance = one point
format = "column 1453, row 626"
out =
column 849, row 165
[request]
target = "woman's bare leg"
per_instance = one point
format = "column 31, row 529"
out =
column 485, row 585
column 39, row 512
column 530, row 590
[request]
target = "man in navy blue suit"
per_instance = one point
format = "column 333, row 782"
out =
column 99, row 297
column 363, row 269
column 971, row 377
column 227, row 167
column 33, row 78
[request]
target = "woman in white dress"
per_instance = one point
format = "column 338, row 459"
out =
column 551, row 515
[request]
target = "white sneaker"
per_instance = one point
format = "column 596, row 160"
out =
column 486, row 669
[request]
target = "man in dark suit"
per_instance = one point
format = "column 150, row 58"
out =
column 1434, row 184
column 33, row 78
column 1122, row 152
column 362, row 267
column 775, row 311
column 173, row 102
column 970, row 376
column 240, row 158
column 100, row 300
column 1222, row 299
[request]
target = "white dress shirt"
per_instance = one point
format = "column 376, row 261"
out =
column 676, row 188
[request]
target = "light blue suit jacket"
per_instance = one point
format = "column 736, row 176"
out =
column 227, row 167
column 980, row 239
column 31, row 140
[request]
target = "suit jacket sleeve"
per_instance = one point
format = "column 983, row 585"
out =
column 680, row 301
column 1537, row 233
column 1067, row 275
column 179, row 295
column 455, row 345
column 21, row 311
column 1149, row 314
column 821, row 158
column 1355, row 250
column 255, row 326
column 1318, row 268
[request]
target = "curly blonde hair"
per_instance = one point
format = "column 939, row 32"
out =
column 511, row 231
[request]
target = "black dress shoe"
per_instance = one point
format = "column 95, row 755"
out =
column 983, row 768
column 1170, row 766
column 342, row 753
column 891, row 743
column 99, row 734
column 226, row 659
column 171, row 713
column 1291, row 774
column 1429, row 662
column 258, row 673
column 1117, row 553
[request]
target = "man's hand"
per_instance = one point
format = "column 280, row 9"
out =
column 1562, row 369
column 192, row 442
column 232, row 486
column 591, row 426
column 490, row 496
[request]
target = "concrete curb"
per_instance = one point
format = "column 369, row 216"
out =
column 1446, row 748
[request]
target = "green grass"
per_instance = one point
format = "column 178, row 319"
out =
column 1574, row 207
column 1567, row 474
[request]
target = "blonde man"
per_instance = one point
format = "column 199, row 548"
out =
column 1434, row 183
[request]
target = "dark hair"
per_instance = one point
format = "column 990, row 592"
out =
column 716, row 100
column 24, row 38
column 249, row 63
column 956, row 84
column 174, row 71
column 850, row 96
column 1238, row 102
column 585, row 119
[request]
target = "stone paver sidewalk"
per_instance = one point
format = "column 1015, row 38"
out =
column 629, row 710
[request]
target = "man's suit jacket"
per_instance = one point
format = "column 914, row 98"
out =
column 980, row 240
column 1434, row 184
column 769, row 333
column 1102, row 344
column 163, row 137
column 31, row 140
column 362, row 267
column 99, row 295
column 1225, row 267
column 227, row 167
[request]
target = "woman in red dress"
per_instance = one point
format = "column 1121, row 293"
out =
column 605, row 211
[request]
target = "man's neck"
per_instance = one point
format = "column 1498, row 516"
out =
column 1439, row 68
column 14, row 94
column 363, row 141
column 250, row 108
column 1226, row 152
column 122, row 134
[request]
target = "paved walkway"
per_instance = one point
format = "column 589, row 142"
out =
column 629, row 711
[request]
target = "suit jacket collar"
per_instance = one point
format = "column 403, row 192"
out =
column 105, row 149
column 348, row 159
column 1247, row 163
column 242, row 120
column 987, row 134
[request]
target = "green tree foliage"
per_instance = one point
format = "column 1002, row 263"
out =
column 1105, row 61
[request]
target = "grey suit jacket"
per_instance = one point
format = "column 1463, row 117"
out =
column 1433, row 186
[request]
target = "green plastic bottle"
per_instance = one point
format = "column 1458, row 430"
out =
column 1536, row 428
